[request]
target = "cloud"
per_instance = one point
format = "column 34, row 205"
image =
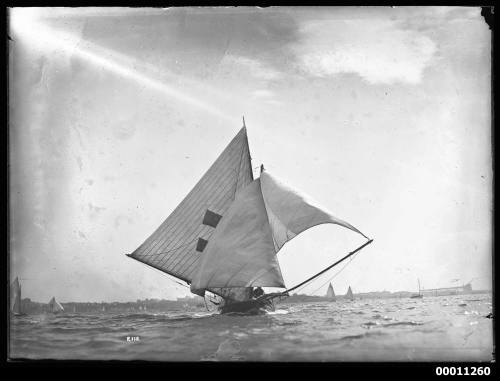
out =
column 376, row 50
column 263, row 93
column 251, row 66
column 266, row 96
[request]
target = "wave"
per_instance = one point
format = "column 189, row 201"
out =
column 399, row 323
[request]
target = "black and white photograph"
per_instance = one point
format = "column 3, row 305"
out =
column 250, row 184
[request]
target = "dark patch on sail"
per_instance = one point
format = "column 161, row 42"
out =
column 211, row 218
column 200, row 246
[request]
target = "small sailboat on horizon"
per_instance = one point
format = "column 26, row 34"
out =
column 54, row 306
column 349, row 295
column 15, row 299
column 419, row 295
column 330, row 293
column 223, row 238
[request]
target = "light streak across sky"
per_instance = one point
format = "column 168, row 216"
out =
column 28, row 28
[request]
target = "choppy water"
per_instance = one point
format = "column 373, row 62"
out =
column 446, row 328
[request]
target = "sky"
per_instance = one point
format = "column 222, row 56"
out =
column 381, row 114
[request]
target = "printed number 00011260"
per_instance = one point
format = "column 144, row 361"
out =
column 462, row 371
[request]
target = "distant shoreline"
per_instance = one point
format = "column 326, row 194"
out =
column 196, row 302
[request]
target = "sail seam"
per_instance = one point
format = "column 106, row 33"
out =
column 189, row 234
column 206, row 229
column 165, row 228
column 178, row 234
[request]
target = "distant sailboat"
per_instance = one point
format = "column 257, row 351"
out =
column 15, row 298
column 419, row 295
column 103, row 309
column 54, row 306
column 349, row 295
column 330, row 293
column 225, row 235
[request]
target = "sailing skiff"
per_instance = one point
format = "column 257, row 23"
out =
column 330, row 293
column 419, row 295
column 54, row 306
column 349, row 295
column 223, row 238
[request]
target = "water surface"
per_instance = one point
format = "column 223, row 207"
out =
column 443, row 328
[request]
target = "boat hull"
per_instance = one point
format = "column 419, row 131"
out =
column 248, row 307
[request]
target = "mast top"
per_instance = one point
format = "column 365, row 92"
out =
column 244, row 122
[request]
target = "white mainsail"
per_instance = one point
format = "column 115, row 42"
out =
column 349, row 294
column 176, row 246
column 54, row 306
column 264, row 216
column 330, row 293
column 15, row 297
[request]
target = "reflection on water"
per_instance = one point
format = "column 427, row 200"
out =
column 442, row 328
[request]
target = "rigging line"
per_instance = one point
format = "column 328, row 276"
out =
column 337, row 273
column 164, row 274
column 328, row 268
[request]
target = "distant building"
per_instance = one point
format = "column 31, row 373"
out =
column 464, row 289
